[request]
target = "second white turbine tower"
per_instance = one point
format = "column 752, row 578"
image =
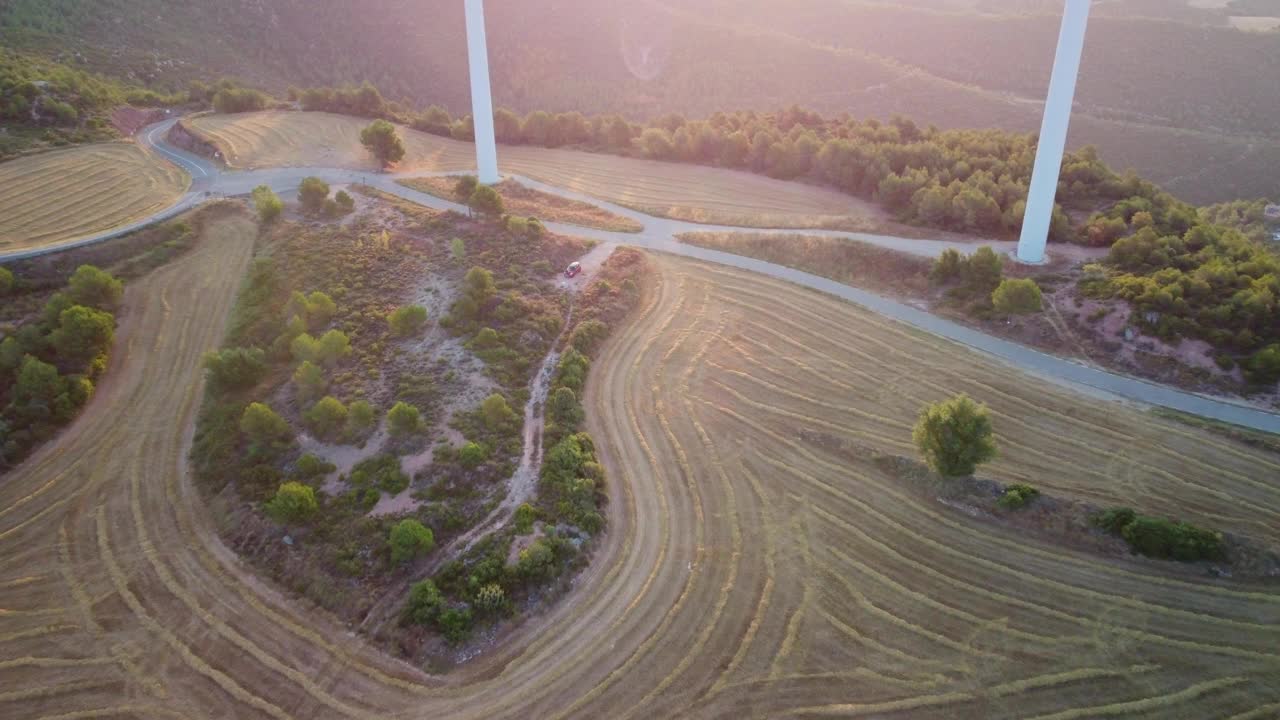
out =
column 1053, row 133
column 481, row 96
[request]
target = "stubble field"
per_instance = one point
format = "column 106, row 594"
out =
column 763, row 560
column 68, row 194
column 692, row 192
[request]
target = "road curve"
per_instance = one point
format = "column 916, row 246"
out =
column 659, row 234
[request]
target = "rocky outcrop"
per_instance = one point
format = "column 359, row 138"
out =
column 184, row 137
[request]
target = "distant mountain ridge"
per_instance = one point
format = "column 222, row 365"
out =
column 1189, row 105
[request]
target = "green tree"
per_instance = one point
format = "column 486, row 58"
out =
column 955, row 436
column 465, row 187
column 458, row 249
column 360, row 419
column 588, row 335
column 472, row 455
column 409, row 539
column 37, row 390
column 404, row 419
column 320, row 309
column 407, row 320
column 309, row 380
column 293, row 502
column 95, row 288
column 83, row 333
column 305, row 348
column 564, row 408
column 1017, row 296
column 346, row 204
column 262, row 425
column 235, row 368
column 486, row 201
column 327, row 417
column 480, row 286
column 312, row 193
column 268, row 204
column 381, row 139
column 6, row 281
column 1263, row 368
column 656, row 143
column 949, row 266
column 332, row 347
column 984, row 270
column 425, row 602
column 496, row 412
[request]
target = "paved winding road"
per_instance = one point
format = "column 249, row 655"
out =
column 659, row 234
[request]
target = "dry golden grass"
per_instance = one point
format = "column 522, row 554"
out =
column 69, row 194
column 848, row 261
column 521, row 200
column 752, row 567
column 693, row 192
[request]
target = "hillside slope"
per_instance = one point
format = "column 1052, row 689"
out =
column 1182, row 103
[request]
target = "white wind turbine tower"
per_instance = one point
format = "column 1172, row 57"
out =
column 481, row 96
column 1053, row 132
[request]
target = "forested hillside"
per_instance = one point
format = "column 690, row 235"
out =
column 1186, row 104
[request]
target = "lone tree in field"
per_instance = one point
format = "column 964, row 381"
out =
column 955, row 436
column 382, row 140
column 268, row 204
column 312, row 193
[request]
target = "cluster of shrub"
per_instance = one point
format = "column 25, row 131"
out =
column 1205, row 281
column 57, row 104
column 48, row 366
column 964, row 180
column 1162, row 538
column 978, row 280
column 571, row 484
column 956, row 435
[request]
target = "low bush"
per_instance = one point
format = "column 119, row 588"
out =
column 407, row 320
column 310, row 467
column 381, row 471
column 1017, row 496
column 1162, row 538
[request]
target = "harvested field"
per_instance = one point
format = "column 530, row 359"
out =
column 848, row 261
column 753, row 566
column 68, row 194
column 525, row 201
column 691, row 192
